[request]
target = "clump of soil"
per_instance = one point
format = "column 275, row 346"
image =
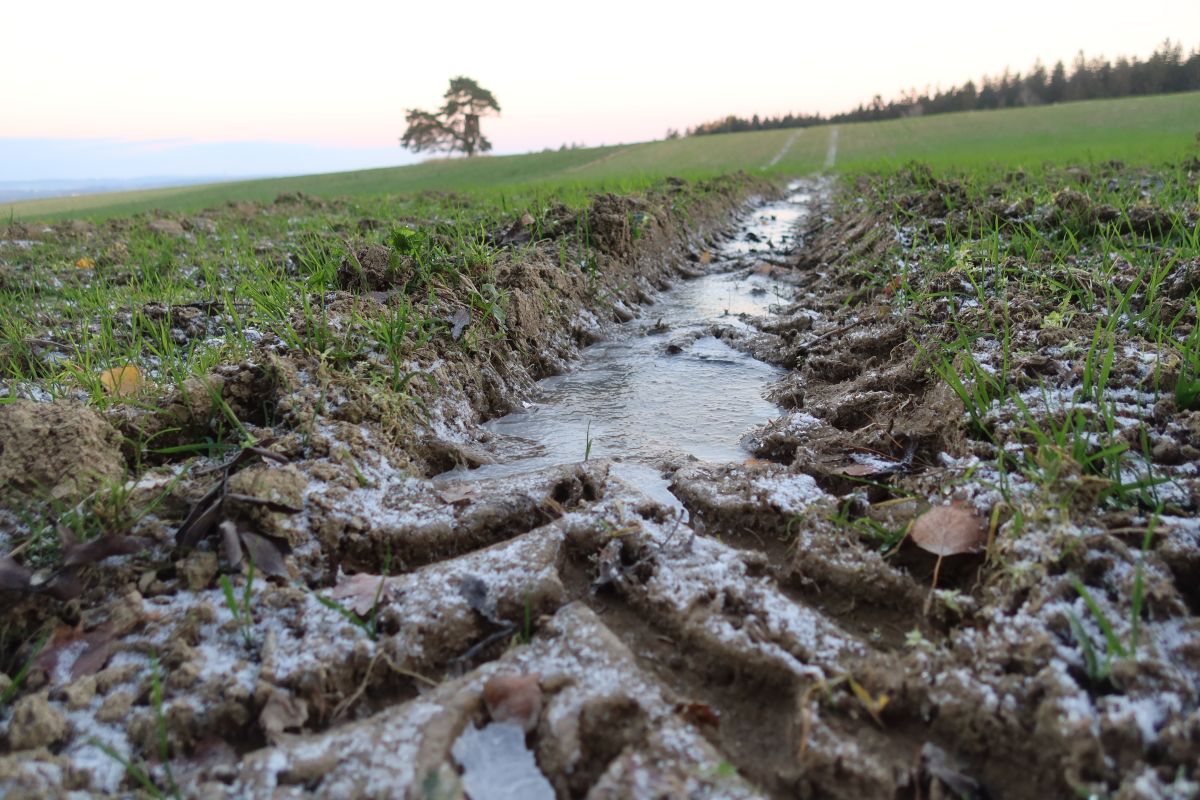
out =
column 61, row 450
column 374, row 268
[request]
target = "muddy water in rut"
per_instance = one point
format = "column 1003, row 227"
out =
column 664, row 386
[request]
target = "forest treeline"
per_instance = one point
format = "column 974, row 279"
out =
column 1166, row 70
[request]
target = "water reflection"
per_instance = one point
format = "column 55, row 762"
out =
column 638, row 400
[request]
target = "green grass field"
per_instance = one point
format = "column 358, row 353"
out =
column 1140, row 130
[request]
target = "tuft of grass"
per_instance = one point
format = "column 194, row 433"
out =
column 1187, row 385
column 242, row 609
column 18, row 680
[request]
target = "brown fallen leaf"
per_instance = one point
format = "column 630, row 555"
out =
column 360, row 592
column 266, row 553
column 514, row 698
column 76, row 553
column 98, row 646
column 121, row 381
column 948, row 531
column 706, row 257
column 873, row 704
column 13, row 576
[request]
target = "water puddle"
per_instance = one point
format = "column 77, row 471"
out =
column 662, row 387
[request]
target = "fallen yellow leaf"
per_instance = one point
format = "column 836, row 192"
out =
column 85, row 263
column 873, row 705
column 705, row 257
column 121, row 381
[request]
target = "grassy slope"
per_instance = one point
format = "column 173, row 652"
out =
column 1140, row 130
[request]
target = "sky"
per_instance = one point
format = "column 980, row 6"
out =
column 124, row 88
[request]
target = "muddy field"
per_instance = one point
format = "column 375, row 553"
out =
column 962, row 561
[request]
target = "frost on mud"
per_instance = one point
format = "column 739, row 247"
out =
column 768, row 627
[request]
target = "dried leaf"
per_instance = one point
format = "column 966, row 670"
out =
column 100, row 548
column 60, row 638
column 13, row 576
column 202, row 519
column 231, row 543
column 514, row 698
column 64, row 585
column 85, row 263
column 706, row 257
column 358, row 592
column 949, row 530
column 460, row 320
column 874, row 705
column 100, row 646
column 121, row 381
column 268, row 552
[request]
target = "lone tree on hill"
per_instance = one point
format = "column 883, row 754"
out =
column 456, row 125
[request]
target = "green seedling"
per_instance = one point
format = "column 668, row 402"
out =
column 19, row 679
column 242, row 610
column 136, row 772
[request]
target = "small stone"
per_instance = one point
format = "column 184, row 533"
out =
column 106, row 679
column 115, row 707
column 35, row 723
column 78, row 694
column 185, row 675
column 198, row 569
column 147, row 581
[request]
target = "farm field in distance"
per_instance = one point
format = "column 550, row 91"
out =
column 256, row 516
column 1138, row 130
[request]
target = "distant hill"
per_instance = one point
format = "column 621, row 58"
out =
column 1138, row 130
column 17, row 191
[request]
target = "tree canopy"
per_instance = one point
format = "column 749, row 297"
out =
column 1167, row 69
column 455, row 126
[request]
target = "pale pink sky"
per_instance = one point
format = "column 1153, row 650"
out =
column 341, row 74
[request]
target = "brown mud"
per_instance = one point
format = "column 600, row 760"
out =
column 763, row 647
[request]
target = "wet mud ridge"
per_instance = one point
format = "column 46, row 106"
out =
column 642, row 582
